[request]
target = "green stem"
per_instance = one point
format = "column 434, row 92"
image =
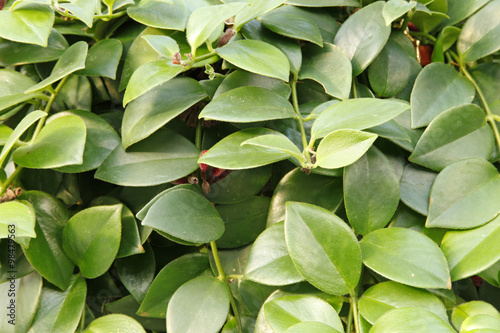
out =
column 9, row 180
column 423, row 34
column 295, row 102
column 349, row 320
column 490, row 116
column 234, row 276
column 355, row 313
column 223, row 277
column 198, row 134
column 354, row 90
column 82, row 320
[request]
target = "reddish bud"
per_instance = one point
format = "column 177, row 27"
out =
column 412, row 27
column 425, row 54
column 203, row 166
column 478, row 281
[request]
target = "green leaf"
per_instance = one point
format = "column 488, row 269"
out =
column 200, row 305
column 148, row 76
column 416, row 185
column 169, row 279
column 385, row 296
column 61, row 142
column 315, row 189
column 284, row 312
column 91, row 239
column 470, row 309
column 248, row 104
column 241, row 78
column 427, row 17
column 5, row 132
column 103, row 58
column 363, row 35
column 12, row 87
column 257, row 57
column 256, row 8
column 60, row 311
column 394, row 9
column 17, row 220
column 411, row 319
column 205, row 20
column 115, row 322
column 470, row 202
column 27, row 295
column 128, row 306
column 165, row 46
column 76, row 94
column 83, row 10
column 472, row 251
column 13, row 53
column 481, row 323
column 371, row 192
column 279, row 142
column 438, row 88
column 459, row 10
column 343, row 147
column 454, row 135
column 293, row 26
column 148, row 113
column 357, row 114
column 228, row 153
column 243, row 221
column 151, row 161
column 269, row 262
column 330, row 67
column 324, row 3
column 481, row 34
column 70, row 61
column 187, row 215
column 23, row 125
column 161, row 14
column 311, row 327
column 335, row 267
column 45, row 252
column 28, row 23
column 406, row 256
column 390, row 70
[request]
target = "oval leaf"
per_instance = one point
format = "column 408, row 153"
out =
column 161, row 14
column 311, row 327
column 91, row 239
column 406, row 256
column 415, row 186
column 465, row 310
column 293, row 26
column 469, row 203
column 481, row 323
column 257, row 57
column 115, row 322
column 200, row 305
column 279, row 142
column 335, row 266
column 410, row 319
column 17, row 220
column 103, row 58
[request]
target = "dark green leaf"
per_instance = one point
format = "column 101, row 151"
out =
column 411, row 319
column 293, row 26
column 461, row 9
column 416, row 185
column 103, row 58
column 12, row 87
column 161, row 14
column 394, row 9
column 128, row 306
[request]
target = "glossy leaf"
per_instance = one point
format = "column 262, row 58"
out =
column 45, row 252
column 70, row 61
column 229, row 154
column 385, row 296
column 416, row 185
column 100, row 140
column 277, row 142
column 17, row 220
column 481, row 322
column 454, row 135
column 343, row 147
column 336, row 266
column 83, row 10
column 438, row 88
column 411, row 319
column 28, row 23
column 115, row 322
column 248, row 104
column 406, row 256
column 328, row 66
column 201, row 304
column 284, row 312
column 363, row 35
column 91, row 239
column 311, row 327
column 205, row 20
column 465, row 310
column 370, row 201
column 103, row 58
column 60, row 311
column 469, row 203
column 269, row 262
column 163, row 157
column 357, row 114
column 293, row 26
column 168, row 280
column 186, row 215
column 460, row 9
column 12, row 87
column 154, row 109
column 61, row 142
column 394, row 9
column 149, row 76
column 481, row 34
column 324, row 3
column 472, row 251
column 161, row 14
column 256, row 8
column 256, row 57
column 165, row 46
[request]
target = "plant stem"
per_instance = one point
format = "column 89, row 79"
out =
column 423, row 34
column 354, row 308
column 295, row 102
column 223, row 277
column 198, row 134
column 9, row 180
column 354, row 90
column 490, row 116
column 349, row 320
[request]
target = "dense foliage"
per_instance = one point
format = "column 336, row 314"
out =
column 203, row 166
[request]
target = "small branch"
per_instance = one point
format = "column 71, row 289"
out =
column 300, row 119
column 423, row 34
column 355, row 312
